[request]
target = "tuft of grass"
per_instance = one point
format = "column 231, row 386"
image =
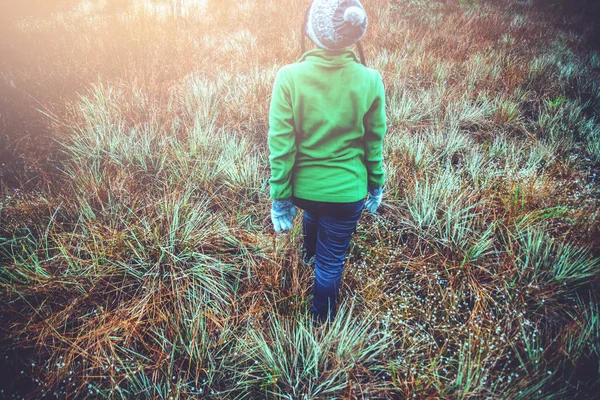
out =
column 294, row 358
column 543, row 259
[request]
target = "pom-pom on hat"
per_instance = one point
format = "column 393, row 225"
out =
column 336, row 24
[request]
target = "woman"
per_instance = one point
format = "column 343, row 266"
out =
column 326, row 128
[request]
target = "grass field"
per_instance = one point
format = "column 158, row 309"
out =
column 137, row 257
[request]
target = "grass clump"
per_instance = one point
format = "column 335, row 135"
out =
column 294, row 358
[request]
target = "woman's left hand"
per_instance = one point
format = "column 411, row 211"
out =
column 282, row 213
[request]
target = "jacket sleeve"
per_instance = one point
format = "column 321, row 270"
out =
column 281, row 140
column 375, row 125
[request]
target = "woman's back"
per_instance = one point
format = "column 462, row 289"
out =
column 334, row 107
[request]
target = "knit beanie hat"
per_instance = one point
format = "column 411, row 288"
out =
column 335, row 24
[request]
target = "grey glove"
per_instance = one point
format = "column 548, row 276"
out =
column 282, row 213
column 374, row 199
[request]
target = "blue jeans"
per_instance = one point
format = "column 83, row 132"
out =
column 327, row 229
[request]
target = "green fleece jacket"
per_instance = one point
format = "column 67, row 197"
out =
column 326, row 128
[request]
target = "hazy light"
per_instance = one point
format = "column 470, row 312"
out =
column 156, row 8
column 167, row 8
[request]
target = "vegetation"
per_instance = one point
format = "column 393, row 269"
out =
column 137, row 256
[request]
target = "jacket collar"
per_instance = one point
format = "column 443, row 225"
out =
column 330, row 57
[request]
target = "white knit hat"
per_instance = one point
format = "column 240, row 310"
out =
column 335, row 24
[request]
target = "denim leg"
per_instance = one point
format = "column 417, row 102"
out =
column 336, row 225
column 310, row 227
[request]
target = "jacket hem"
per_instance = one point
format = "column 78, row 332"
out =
column 326, row 198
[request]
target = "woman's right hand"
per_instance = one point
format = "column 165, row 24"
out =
column 374, row 199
